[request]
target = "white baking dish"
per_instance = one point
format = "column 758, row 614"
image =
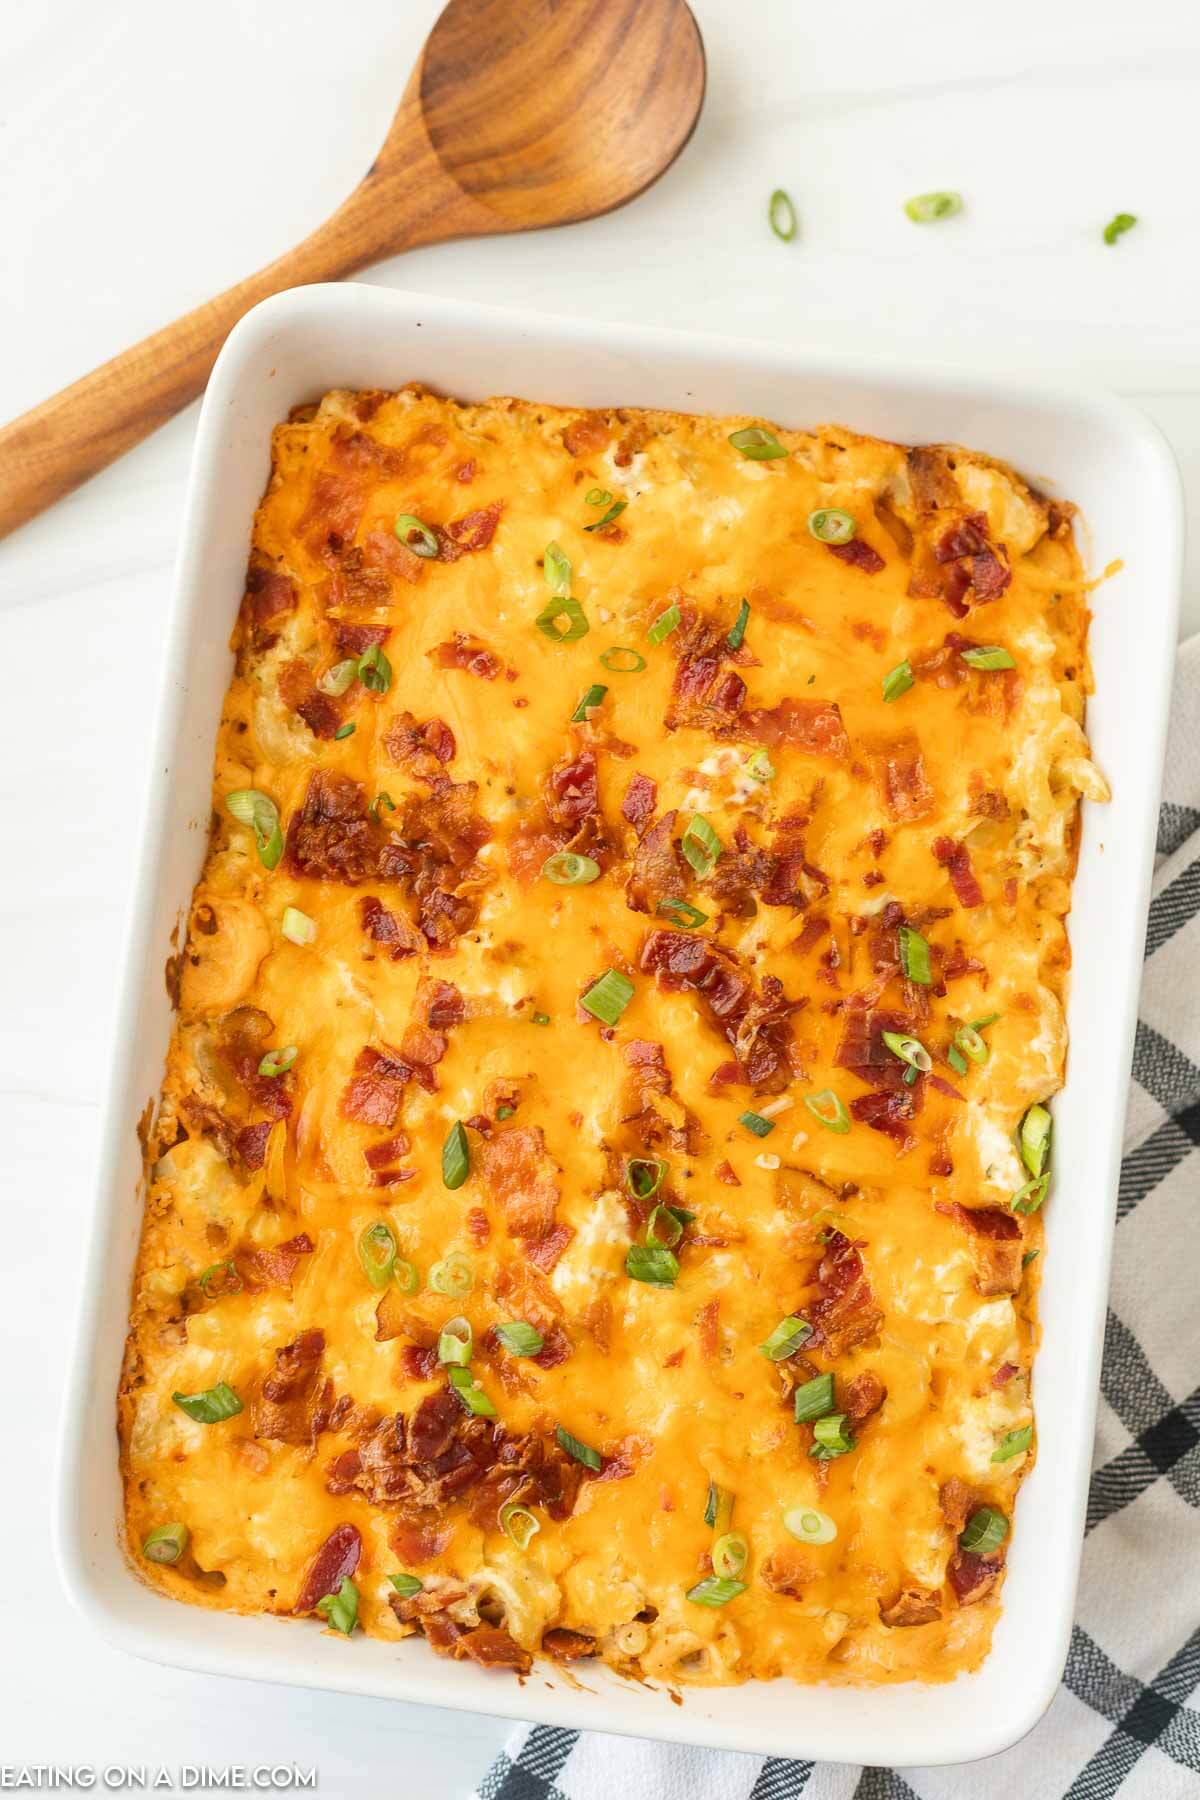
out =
column 1090, row 448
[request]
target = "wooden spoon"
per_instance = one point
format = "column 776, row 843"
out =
column 519, row 114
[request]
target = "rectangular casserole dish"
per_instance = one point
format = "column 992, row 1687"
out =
column 1089, row 449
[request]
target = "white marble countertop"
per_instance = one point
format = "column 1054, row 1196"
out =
column 150, row 155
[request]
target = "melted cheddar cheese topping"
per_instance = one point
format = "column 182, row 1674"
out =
column 423, row 741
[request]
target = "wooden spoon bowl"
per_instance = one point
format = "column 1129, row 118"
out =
column 520, row 114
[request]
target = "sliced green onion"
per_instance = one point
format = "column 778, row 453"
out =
column 831, row 1437
column 377, row 1253
column 665, row 624
column 664, row 1228
column 681, row 912
column 345, row 731
column 830, row 525
column 730, row 1554
column 211, row 1405
column 407, row 527
column 715, row 1590
column 518, row 1523
column 957, row 1060
column 737, row 630
column 1029, row 1256
column 1034, row 1139
column 406, row 1276
column 914, row 956
column 897, row 681
column 1029, row 1198
column 231, row 1281
column 644, row 1176
column 593, row 697
column 759, row 766
column 718, row 1511
column 407, row 1585
column 456, row 1156
column 557, row 570
column 814, row 1399
column 539, row 1018
column 701, row 845
column 381, row 800
column 563, row 608
column 969, row 1042
column 454, row 1275
column 519, row 1338
column 1013, row 1443
column 614, row 512
column 607, row 998
column 278, row 1062
column 505, row 1112
column 1118, row 225
column 597, row 497
column 787, row 1338
column 924, row 209
column 583, row 1453
column 566, row 868
column 828, row 1110
column 297, row 927
column 757, row 443
column 374, row 670
column 781, row 215
column 986, row 1530
column 982, row 1024
column 470, row 1393
column 910, row 1050
column 623, row 661
column 988, row 656
column 909, row 1077
column 757, row 1124
column 810, row 1525
column 249, row 806
column 341, row 1609
column 339, row 678
column 166, row 1543
column 655, row 1266
column 455, row 1342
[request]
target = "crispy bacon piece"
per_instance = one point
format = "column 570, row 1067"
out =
column 545, row 1251
column 589, row 432
column 439, row 1452
column 955, row 858
column 641, row 797
column 572, row 790
column 374, row 1093
column 467, row 653
column 354, row 640
column 863, row 1395
column 432, row 854
column 331, row 838
column 995, row 1242
column 972, row 1577
column 913, row 1605
column 488, row 1645
column 557, row 1347
column 517, row 1171
column 294, row 1404
column 862, row 1047
column 250, row 1143
column 567, row 1646
column 957, row 1500
column 423, row 747
column 274, row 1267
column 334, row 1563
column 757, row 1025
column 812, row 725
column 859, row 554
column 269, row 594
column 1004, row 1374
column 474, row 531
column 888, row 1113
column 788, row 1571
column 708, row 1334
column 297, row 689
column 844, row 1313
column 725, row 1172
column 905, row 787
column 416, row 1543
column 658, row 871
column 395, row 931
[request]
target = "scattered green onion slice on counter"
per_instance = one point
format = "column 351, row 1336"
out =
column 957, row 1060
column 607, row 998
column 718, row 1511
column 813, row 1400
column 456, row 1156
column 1118, row 225
column 407, row 1585
column 566, row 868
column 737, row 630
column 455, row 1342
column 1034, row 1139
column 520, row 1338
column 682, row 913
column 406, row 1276
column 606, row 518
column 583, row 1453
column 830, row 525
column 914, row 956
column 757, row 444
column 470, row 1393
column 828, row 1110
column 810, row 1525
column 381, row 800
column 781, row 215
column 518, row 1523
column 345, row 731
column 1029, row 1198
column 788, row 1336
column 622, row 660
column 831, row 1437
column 730, row 1554
column 1013, row 1443
column 297, row 927
column 278, row 1062
column 700, row 845
column 407, row 527
column 757, row 1124
column 759, row 766
column 249, row 806
column 336, row 680
column 454, row 1275
column 664, row 1227
column 231, row 1281
column 377, row 1253
column 925, row 209
column 211, row 1405
column 166, row 1543
column 968, row 1041
column 644, row 1176
column 665, row 624
column 597, row 497
column 715, row 1590
column 910, row 1050
column 897, row 681
column 985, row 1531
column 557, row 570
column 374, row 670
column 593, row 697
column 988, row 656
column 341, row 1609
column 562, row 608
column 651, row 1264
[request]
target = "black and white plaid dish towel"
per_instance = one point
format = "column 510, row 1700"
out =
column 1126, row 1720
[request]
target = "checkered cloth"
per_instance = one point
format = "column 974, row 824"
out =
column 1126, row 1719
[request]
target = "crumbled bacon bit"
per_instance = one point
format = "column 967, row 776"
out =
column 334, row 1562
column 859, row 554
column 641, row 797
column 955, row 858
column 467, row 653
